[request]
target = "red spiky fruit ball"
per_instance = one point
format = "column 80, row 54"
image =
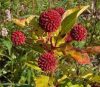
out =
column 50, row 20
column 78, row 32
column 18, row 38
column 47, row 62
column 60, row 10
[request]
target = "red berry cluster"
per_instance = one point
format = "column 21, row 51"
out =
column 78, row 32
column 47, row 62
column 18, row 38
column 50, row 20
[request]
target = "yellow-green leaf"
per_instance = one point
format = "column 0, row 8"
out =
column 42, row 81
column 62, row 78
column 95, row 79
column 87, row 75
column 72, row 10
column 33, row 67
column 23, row 21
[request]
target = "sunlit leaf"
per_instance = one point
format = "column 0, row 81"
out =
column 23, row 21
column 19, row 22
column 42, row 81
column 87, row 75
column 62, row 78
column 81, row 58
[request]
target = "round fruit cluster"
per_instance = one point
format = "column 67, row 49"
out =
column 18, row 38
column 50, row 20
column 77, row 33
column 47, row 62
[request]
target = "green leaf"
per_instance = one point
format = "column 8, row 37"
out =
column 68, row 23
column 22, row 80
column 8, row 44
column 34, row 67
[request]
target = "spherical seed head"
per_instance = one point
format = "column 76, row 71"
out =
column 60, row 10
column 50, row 20
column 47, row 62
column 78, row 32
column 18, row 38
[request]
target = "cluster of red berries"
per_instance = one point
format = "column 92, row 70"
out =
column 77, row 33
column 47, row 62
column 18, row 38
column 50, row 20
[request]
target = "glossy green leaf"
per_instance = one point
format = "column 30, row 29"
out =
column 68, row 23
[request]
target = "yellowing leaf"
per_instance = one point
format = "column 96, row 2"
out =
column 82, row 9
column 19, row 22
column 42, row 81
column 68, row 12
column 28, row 20
column 23, row 21
column 33, row 67
column 69, row 20
column 72, row 10
column 81, row 58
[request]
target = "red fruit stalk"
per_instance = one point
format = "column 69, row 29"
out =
column 18, row 38
column 50, row 20
column 78, row 32
column 68, row 38
column 47, row 62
